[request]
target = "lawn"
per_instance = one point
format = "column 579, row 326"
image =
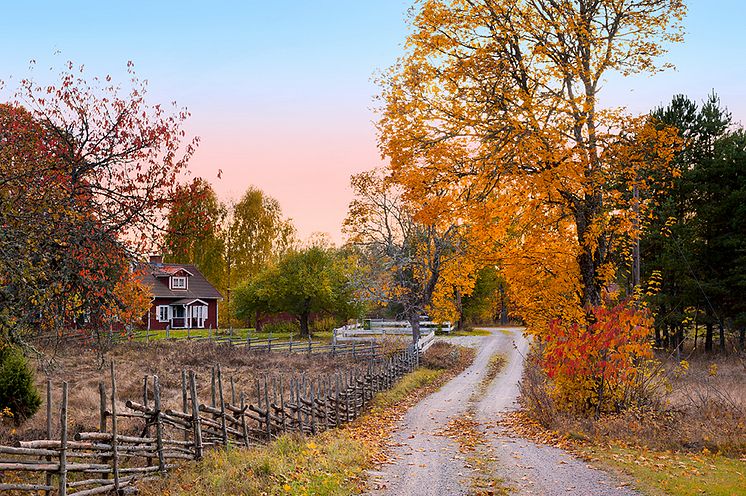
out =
column 318, row 336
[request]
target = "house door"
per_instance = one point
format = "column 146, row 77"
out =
column 199, row 315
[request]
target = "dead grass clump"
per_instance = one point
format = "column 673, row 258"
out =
column 442, row 355
column 134, row 361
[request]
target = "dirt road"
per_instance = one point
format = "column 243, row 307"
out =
column 425, row 463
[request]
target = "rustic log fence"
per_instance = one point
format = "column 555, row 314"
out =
column 107, row 460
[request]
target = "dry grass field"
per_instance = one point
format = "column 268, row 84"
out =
column 133, row 361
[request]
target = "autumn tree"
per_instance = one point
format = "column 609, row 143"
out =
column 411, row 264
column 496, row 96
column 195, row 230
column 303, row 283
column 84, row 171
column 495, row 106
column 256, row 233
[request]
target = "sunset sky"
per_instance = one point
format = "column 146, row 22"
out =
column 281, row 93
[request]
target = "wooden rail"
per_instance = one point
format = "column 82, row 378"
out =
column 104, row 461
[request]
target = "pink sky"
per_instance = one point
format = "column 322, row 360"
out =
column 280, row 92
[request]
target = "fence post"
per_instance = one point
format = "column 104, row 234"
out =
column 266, row 405
column 313, row 409
column 336, row 400
column 184, row 402
column 49, row 429
column 310, row 344
column 298, row 404
column 196, row 423
column 168, row 332
column 282, row 406
column 158, row 424
column 114, row 430
column 223, row 426
column 212, row 387
column 63, row 442
column 244, row 430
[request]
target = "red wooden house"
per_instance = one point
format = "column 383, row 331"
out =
column 182, row 297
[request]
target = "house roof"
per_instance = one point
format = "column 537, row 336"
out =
column 199, row 287
column 187, row 301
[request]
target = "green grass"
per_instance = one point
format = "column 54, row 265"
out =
column 319, row 336
column 408, row 384
column 682, row 474
column 473, row 332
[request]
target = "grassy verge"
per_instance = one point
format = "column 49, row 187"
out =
column 663, row 472
column 332, row 463
column 689, row 439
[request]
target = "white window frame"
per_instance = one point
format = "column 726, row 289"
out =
column 159, row 313
column 180, row 279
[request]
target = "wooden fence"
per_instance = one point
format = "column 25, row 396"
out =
column 106, row 460
column 250, row 344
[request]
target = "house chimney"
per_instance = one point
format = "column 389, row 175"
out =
column 156, row 259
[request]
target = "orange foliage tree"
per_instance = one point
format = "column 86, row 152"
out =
column 85, row 172
column 495, row 106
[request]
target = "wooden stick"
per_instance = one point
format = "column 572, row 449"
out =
column 266, row 405
column 114, row 433
column 63, row 443
column 222, row 407
column 243, row 422
column 158, row 424
column 48, row 477
column 212, row 387
column 184, row 402
column 196, row 423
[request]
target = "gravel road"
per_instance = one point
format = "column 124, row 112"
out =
column 425, row 464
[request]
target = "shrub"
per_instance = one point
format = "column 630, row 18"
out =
column 17, row 390
column 281, row 327
column 324, row 324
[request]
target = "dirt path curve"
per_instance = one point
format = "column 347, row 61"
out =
column 426, row 464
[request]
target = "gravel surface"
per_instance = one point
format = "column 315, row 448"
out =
column 425, row 464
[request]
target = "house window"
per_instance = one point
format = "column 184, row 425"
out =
column 163, row 312
column 178, row 282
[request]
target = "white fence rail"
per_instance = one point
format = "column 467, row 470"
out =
column 373, row 329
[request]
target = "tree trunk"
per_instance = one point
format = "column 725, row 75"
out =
column 258, row 321
column 414, row 321
column 589, row 258
column 708, row 336
column 722, row 335
column 503, row 306
column 460, row 309
column 742, row 339
column 305, row 331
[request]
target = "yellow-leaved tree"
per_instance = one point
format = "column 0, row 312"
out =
column 495, row 106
